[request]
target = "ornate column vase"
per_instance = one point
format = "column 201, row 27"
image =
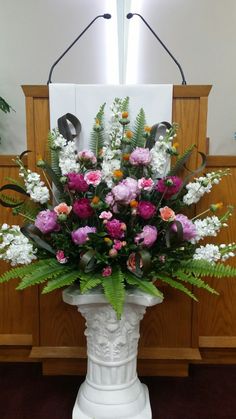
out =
column 111, row 388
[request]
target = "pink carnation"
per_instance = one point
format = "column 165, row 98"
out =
column 115, row 229
column 140, row 156
column 76, row 182
column 61, row 258
column 147, row 237
column 80, row 236
column 93, row 177
column 82, row 208
column 146, row 184
column 107, row 271
column 169, row 185
column 46, row 221
column 146, row 209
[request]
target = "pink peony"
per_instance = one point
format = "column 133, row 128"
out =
column 146, row 209
column 145, row 184
column 169, row 185
column 46, row 221
column 167, row 214
column 93, row 177
column 140, row 156
column 147, row 237
column 107, row 271
column 87, row 156
column 82, row 208
column 189, row 229
column 76, row 182
column 115, row 229
column 80, row 236
column 60, row 255
column 109, row 199
column 125, row 191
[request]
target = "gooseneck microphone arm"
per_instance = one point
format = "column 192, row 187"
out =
column 105, row 16
column 130, row 15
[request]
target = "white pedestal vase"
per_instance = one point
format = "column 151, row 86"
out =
column 111, row 389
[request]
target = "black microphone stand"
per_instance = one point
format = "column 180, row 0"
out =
column 130, row 15
column 105, row 16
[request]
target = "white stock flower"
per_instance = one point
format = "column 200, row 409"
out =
column 160, row 158
column 209, row 226
column 68, row 159
column 15, row 247
column 210, row 253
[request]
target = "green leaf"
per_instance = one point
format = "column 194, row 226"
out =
column 145, row 286
column 138, row 140
column 21, row 271
column 62, row 280
column 114, row 290
column 176, row 285
column 197, row 282
column 205, row 268
column 97, row 136
column 125, row 105
column 42, row 274
column 180, row 163
column 88, row 283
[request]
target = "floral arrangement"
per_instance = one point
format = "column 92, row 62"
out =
column 114, row 216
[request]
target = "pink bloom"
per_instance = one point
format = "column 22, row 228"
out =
column 189, row 228
column 93, row 177
column 147, row 237
column 146, row 184
column 46, row 221
column 131, row 262
column 113, row 253
column 109, row 199
column 125, row 191
column 169, row 185
column 106, row 215
column 118, row 244
column 107, row 271
column 60, row 255
column 115, row 229
column 76, row 182
column 167, row 214
column 80, row 236
column 140, row 156
column 146, row 209
column 82, row 208
column 62, row 208
column 87, row 156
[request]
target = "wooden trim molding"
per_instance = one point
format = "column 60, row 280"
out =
column 15, row 340
column 221, row 161
column 217, row 341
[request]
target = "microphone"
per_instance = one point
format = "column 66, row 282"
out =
column 130, row 15
column 105, row 16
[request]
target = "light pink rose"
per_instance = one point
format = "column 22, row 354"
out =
column 93, row 177
column 106, row 215
column 167, row 214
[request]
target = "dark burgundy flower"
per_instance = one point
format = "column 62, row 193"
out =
column 82, row 208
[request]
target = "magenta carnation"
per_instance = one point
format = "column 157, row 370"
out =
column 146, row 209
column 140, row 156
column 115, row 229
column 170, row 185
column 46, row 221
column 82, row 208
column 189, row 229
column 76, row 182
column 147, row 237
column 80, row 236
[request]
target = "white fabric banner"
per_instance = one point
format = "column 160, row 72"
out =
column 84, row 102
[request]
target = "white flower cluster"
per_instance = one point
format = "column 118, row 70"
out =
column 209, row 226
column 115, row 134
column 15, row 247
column 34, row 186
column 202, row 185
column 67, row 154
column 160, row 156
column 227, row 251
column 213, row 253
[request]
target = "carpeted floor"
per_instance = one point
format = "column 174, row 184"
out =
column 208, row 393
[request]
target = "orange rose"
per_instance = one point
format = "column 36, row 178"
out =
column 63, row 208
column 167, row 214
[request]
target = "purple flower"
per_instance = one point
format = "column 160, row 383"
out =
column 46, row 221
column 76, row 182
column 189, row 229
column 125, row 191
column 115, row 229
column 170, row 185
column 146, row 209
column 147, row 237
column 140, row 156
column 80, row 236
column 82, row 208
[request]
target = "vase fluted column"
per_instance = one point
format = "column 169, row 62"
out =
column 111, row 389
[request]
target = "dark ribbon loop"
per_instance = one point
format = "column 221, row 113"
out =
column 65, row 129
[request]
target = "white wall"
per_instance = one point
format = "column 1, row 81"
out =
column 200, row 33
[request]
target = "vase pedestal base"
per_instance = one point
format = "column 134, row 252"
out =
column 113, row 411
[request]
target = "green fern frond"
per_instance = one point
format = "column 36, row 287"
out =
column 205, row 268
column 65, row 278
column 97, row 136
column 177, row 285
column 125, row 105
column 145, row 286
column 10, row 200
column 197, row 282
column 21, row 271
column 181, row 161
column 114, row 290
column 28, row 210
column 138, row 139
column 42, row 274
column 89, row 281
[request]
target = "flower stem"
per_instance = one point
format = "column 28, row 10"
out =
column 199, row 215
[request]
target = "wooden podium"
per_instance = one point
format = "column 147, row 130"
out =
column 54, row 332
